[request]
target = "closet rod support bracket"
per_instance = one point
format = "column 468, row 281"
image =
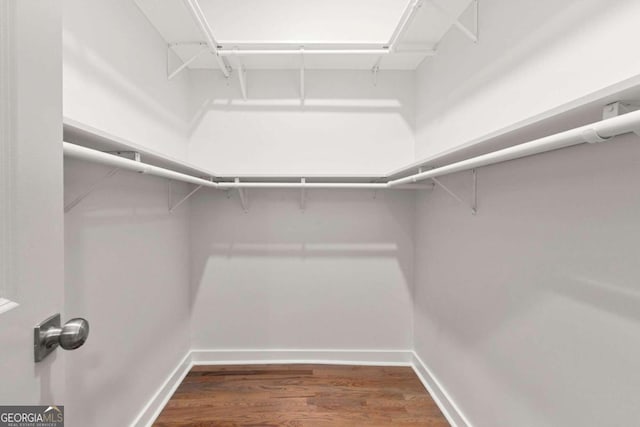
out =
column 473, row 35
column 244, row 198
column 184, row 199
column 303, row 195
column 619, row 108
column 474, row 192
column 131, row 155
column 172, row 73
column 75, row 202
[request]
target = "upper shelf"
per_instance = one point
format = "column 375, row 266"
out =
column 96, row 139
column 315, row 34
column 87, row 136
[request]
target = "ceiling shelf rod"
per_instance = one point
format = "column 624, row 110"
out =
column 201, row 20
column 601, row 131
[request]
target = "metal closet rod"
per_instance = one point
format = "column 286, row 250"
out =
column 596, row 132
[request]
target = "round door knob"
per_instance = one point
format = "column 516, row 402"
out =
column 74, row 333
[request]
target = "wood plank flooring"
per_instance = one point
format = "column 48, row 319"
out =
column 301, row 395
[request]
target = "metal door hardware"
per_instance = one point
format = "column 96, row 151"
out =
column 48, row 335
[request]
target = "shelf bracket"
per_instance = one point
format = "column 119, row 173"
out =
column 474, row 196
column 131, row 155
column 184, row 199
column 375, row 70
column 185, row 64
column 244, row 199
column 473, row 35
column 242, row 78
column 302, row 85
column 619, row 108
column 303, row 195
column 75, row 202
column 242, row 74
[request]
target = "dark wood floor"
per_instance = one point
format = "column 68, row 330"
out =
column 301, row 395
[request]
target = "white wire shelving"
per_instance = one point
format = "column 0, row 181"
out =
column 597, row 132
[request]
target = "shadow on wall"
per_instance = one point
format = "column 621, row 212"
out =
column 335, row 276
column 336, row 225
column 126, row 271
column 535, row 295
column 345, row 126
column 329, row 91
column 560, row 220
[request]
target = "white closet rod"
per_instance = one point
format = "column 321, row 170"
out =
column 83, row 153
column 310, row 185
column 346, row 51
column 595, row 132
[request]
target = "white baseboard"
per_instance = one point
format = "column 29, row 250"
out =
column 152, row 409
column 438, row 393
column 330, row 357
column 335, row 357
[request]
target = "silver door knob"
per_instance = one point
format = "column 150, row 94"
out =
column 48, row 335
column 74, row 333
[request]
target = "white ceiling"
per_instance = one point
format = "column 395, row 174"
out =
column 300, row 22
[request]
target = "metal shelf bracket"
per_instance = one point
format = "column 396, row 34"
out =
column 173, row 207
column 132, row 155
column 375, row 70
column 303, row 195
column 242, row 75
column 302, row 84
column 619, row 108
column 474, row 192
column 473, row 35
column 185, row 64
column 75, row 202
column 244, row 197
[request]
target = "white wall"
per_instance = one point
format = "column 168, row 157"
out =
column 532, row 57
column 127, row 272
column 528, row 312
column 337, row 276
column 115, row 76
column 346, row 126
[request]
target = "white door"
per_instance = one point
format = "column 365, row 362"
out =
column 31, row 213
